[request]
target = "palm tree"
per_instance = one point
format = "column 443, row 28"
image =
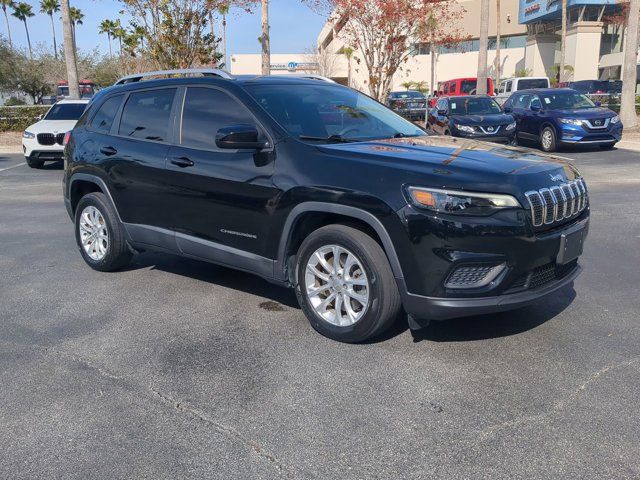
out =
column 563, row 41
column 266, row 49
column 22, row 11
column 107, row 26
column 69, row 50
column 224, row 11
column 139, row 32
column 348, row 52
column 5, row 4
column 49, row 7
column 119, row 33
column 629, row 68
column 76, row 16
column 407, row 85
column 481, row 85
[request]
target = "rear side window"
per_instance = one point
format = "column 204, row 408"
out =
column 103, row 119
column 205, row 111
column 147, row 114
column 527, row 83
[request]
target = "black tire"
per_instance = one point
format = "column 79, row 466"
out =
column 552, row 145
column 608, row 146
column 34, row 163
column 118, row 253
column 384, row 299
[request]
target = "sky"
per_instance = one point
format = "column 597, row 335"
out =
column 294, row 27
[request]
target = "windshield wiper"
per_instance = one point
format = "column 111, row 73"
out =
column 331, row 138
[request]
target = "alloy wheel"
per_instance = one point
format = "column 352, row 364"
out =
column 337, row 286
column 94, row 235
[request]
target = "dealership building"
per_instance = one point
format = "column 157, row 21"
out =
column 530, row 39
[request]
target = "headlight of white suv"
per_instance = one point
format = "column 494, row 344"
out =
column 511, row 126
column 460, row 202
column 464, row 128
column 26, row 134
column 570, row 121
column 615, row 119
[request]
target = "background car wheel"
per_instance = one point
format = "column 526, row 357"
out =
column 33, row 163
column 548, row 139
column 99, row 234
column 345, row 285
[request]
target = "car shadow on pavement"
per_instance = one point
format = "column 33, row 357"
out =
column 215, row 274
column 58, row 165
column 496, row 325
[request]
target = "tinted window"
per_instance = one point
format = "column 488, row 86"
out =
column 407, row 94
column 527, row 83
column 65, row 111
column 468, row 86
column 323, row 110
column 521, row 101
column 566, row 100
column 508, row 86
column 147, row 114
column 474, row 106
column 442, row 104
column 105, row 115
column 206, row 111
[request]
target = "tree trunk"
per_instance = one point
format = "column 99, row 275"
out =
column 53, row 29
column 433, row 69
column 26, row 29
column 563, row 42
column 69, row 51
column 266, row 50
column 481, row 85
column 498, row 25
column 629, row 68
column 6, row 19
column 110, row 51
column 349, row 71
column 224, row 40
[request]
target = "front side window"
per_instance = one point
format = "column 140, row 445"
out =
column 566, row 100
column 474, row 106
column 508, row 86
column 146, row 115
column 66, row 111
column 205, row 111
column 330, row 113
column 103, row 119
column 522, row 101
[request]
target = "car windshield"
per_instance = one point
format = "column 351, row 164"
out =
column 473, row 106
column 406, row 95
column 330, row 113
column 66, row 111
column 527, row 83
column 566, row 100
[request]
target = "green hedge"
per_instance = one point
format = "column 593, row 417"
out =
column 16, row 119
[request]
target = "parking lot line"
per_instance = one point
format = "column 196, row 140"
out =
column 12, row 166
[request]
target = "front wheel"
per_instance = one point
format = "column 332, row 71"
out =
column 548, row 139
column 34, row 163
column 345, row 285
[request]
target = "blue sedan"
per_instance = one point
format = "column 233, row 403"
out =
column 562, row 116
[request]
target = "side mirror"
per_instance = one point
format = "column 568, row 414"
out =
column 535, row 107
column 241, row 136
column 442, row 112
column 598, row 104
column 507, row 110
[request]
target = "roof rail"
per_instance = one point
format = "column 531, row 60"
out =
column 310, row 76
column 206, row 72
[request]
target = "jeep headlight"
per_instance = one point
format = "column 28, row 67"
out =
column 460, row 202
column 511, row 126
column 464, row 128
column 26, row 134
column 570, row 121
column 615, row 119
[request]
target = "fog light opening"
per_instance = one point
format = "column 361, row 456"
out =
column 474, row 276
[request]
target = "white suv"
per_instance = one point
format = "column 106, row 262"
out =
column 513, row 84
column 43, row 141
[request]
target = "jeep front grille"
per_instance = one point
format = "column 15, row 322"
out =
column 549, row 205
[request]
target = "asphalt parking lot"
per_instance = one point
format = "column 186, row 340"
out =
column 180, row 369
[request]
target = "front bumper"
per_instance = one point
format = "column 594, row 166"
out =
column 574, row 134
column 500, row 137
column 439, row 246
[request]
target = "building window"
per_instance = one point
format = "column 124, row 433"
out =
column 611, row 40
column 420, row 49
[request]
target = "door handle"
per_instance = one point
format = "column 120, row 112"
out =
column 182, row 162
column 108, row 151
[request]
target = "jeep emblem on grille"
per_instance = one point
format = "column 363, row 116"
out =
column 556, row 178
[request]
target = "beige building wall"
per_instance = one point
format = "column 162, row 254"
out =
column 583, row 39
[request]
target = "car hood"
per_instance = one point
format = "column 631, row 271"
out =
column 483, row 120
column 450, row 162
column 585, row 114
column 52, row 126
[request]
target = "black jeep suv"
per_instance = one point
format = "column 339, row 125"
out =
column 318, row 187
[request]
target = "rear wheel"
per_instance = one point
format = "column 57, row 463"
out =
column 548, row 139
column 99, row 234
column 345, row 285
column 34, row 163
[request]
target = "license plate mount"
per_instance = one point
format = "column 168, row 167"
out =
column 571, row 245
